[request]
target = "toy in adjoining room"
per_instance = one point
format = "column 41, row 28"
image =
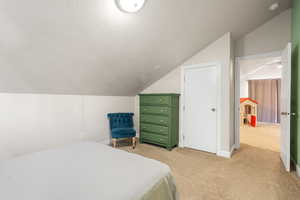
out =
column 248, row 112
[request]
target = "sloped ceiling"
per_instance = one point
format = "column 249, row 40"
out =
column 90, row 47
column 260, row 68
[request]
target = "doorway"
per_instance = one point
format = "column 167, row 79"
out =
column 201, row 107
column 263, row 102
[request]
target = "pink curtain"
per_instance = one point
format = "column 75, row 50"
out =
column 267, row 93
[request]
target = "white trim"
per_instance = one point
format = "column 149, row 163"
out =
column 219, row 99
column 298, row 170
column 237, row 89
column 226, row 154
column 181, row 108
column 237, row 105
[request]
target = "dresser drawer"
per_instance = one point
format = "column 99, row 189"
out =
column 155, row 100
column 156, row 129
column 155, row 119
column 149, row 137
column 159, row 119
column 155, row 110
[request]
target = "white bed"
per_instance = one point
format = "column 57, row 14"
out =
column 85, row 171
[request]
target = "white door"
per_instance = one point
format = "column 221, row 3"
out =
column 285, row 107
column 200, row 108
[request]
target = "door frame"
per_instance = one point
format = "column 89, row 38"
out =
column 218, row 106
column 237, row 89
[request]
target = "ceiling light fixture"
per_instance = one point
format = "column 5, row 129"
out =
column 130, row 6
column 274, row 6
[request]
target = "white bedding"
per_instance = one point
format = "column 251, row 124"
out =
column 85, row 171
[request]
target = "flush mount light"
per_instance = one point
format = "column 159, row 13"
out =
column 130, row 6
column 274, row 6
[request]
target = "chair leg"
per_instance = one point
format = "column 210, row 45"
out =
column 114, row 142
column 133, row 142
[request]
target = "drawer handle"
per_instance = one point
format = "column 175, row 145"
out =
column 161, row 120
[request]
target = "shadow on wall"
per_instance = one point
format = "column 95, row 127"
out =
column 294, row 102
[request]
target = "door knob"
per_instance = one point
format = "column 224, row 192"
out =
column 213, row 109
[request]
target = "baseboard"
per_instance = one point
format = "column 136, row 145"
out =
column 226, row 154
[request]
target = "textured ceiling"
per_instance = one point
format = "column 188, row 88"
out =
column 90, row 47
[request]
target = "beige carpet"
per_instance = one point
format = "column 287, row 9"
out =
column 265, row 136
column 251, row 174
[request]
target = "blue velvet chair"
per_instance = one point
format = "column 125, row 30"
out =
column 121, row 126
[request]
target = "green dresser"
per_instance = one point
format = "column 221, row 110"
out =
column 159, row 119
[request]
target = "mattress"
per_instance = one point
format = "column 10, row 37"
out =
column 85, row 171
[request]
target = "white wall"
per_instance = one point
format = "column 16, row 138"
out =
column 244, row 88
column 33, row 122
column 271, row 36
column 218, row 51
